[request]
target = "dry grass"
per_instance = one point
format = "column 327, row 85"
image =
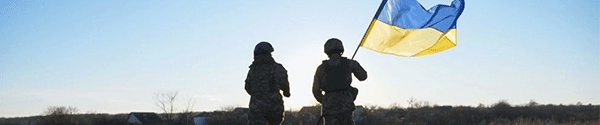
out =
column 522, row 121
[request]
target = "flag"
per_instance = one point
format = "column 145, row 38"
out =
column 405, row 28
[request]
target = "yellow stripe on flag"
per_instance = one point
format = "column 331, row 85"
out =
column 385, row 38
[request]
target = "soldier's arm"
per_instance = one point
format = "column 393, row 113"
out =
column 247, row 86
column 316, row 88
column 281, row 78
column 358, row 71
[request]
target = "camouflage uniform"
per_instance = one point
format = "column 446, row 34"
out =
column 337, row 105
column 265, row 78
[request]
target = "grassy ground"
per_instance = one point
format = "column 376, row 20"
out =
column 500, row 113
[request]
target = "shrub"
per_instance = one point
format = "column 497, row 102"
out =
column 60, row 115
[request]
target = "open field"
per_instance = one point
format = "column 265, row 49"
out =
column 500, row 113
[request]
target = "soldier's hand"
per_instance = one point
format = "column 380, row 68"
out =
column 286, row 94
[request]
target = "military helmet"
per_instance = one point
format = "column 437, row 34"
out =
column 263, row 48
column 334, row 45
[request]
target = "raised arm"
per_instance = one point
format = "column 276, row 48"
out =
column 358, row 70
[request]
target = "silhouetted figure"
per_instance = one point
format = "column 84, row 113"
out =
column 265, row 78
column 334, row 77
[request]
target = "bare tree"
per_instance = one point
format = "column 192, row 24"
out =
column 189, row 104
column 166, row 103
column 60, row 115
column 186, row 115
column 228, row 108
column 532, row 103
column 414, row 103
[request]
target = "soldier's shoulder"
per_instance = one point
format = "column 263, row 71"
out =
column 321, row 67
column 350, row 60
column 276, row 64
column 346, row 58
column 323, row 63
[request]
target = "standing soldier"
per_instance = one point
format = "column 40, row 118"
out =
column 333, row 77
column 265, row 78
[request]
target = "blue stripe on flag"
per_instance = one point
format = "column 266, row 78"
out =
column 410, row 14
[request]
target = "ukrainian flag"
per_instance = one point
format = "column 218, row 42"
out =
column 405, row 28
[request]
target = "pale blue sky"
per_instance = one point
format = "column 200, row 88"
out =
column 111, row 56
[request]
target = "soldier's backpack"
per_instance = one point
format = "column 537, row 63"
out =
column 337, row 78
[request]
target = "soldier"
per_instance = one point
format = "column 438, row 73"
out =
column 265, row 78
column 333, row 77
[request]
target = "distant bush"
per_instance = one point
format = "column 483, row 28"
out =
column 60, row 115
column 500, row 113
column 4, row 121
column 104, row 119
column 503, row 110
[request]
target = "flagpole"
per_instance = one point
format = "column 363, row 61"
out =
column 369, row 28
